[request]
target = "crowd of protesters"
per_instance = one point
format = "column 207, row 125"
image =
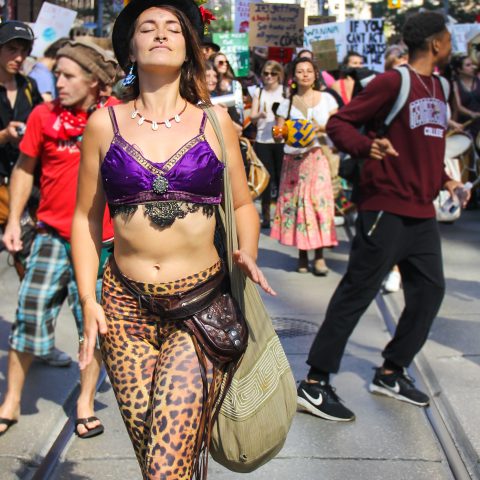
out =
column 43, row 117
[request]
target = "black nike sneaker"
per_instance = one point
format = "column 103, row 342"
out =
column 321, row 400
column 398, row 385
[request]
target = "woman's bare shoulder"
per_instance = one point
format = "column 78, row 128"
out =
column 100, row 122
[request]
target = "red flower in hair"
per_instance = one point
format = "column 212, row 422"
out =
column 207, row 15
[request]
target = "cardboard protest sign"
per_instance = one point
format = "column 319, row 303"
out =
column 276, row 25
column 326, row 31
column 53, row 22
column 242, row 15
column 235, row 47
column 366, row 38
column 325, row 54
column 320, row 19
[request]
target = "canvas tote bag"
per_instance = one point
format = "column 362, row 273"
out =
column 261, row 401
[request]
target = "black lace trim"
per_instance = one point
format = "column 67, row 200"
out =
column 163, row 213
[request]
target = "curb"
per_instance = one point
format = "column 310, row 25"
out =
column 464, row 449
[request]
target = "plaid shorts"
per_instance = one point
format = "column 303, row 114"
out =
column 49, row 279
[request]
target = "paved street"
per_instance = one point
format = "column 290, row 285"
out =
column 388, row 440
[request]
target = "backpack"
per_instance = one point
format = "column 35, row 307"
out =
column 403, row 94
column 350, row 167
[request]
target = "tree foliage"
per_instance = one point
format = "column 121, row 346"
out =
column 463, row 11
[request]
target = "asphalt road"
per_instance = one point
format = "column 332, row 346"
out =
column 388, row 440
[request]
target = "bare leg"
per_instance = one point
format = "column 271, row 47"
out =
column 18, row 366
column 88, row 383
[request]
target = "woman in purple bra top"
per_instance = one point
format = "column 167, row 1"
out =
column 155, row 159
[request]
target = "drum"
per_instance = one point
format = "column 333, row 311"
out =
column 296, row 133
column 457, row 145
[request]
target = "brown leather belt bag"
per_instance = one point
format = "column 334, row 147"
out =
column 209, row 311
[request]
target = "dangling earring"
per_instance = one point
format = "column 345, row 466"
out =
column 293, row 85
column 130, row 78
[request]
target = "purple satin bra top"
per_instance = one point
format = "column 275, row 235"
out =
column 193, row 174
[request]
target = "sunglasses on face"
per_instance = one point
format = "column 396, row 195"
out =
column 222, row 62
column 270, row 74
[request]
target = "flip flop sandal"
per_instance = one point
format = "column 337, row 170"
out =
column 91, row 432
column 8, row 422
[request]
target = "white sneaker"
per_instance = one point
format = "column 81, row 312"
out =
column 392, row 283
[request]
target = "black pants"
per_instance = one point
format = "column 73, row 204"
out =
column 271, row 155
column 382, row 241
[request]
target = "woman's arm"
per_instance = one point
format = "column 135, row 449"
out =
column 246, row 216
column 87, row 231
column 255, row 112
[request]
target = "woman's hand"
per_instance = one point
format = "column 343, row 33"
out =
column 248, row 265
column 94, row 323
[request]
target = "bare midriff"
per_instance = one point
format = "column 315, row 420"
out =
column 150, row 254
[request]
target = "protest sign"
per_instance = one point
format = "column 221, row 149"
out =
column 326, row 31
column 461, row 33
column 235, row 47
column 280, row 55
column 276, row 25
column 366, row 38
column 242, row 15
column 53, row 22
column 325, row 54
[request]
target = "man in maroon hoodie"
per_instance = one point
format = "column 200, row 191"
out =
column 396, row 223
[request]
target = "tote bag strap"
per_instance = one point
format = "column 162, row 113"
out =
column 227, row 216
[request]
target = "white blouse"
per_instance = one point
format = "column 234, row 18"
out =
column 320, row 113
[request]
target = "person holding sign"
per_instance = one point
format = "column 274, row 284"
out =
column 304, row 216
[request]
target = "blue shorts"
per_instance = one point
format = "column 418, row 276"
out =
column 48, row 281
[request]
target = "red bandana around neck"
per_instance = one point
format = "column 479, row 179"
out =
column 68, row 124
column 65, row 123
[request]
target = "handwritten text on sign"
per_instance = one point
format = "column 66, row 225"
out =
column 242, row 14
column 335, row 31
column 366, row 37
column 276, row 25
column 235, row 47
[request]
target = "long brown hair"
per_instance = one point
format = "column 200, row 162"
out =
column 193, row 87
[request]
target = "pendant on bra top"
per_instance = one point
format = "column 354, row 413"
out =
column 160, row 185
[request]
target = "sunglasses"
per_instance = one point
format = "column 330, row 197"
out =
column 222, row 62
column 270, row 74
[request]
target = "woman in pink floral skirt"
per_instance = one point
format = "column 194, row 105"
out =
column 304, row 216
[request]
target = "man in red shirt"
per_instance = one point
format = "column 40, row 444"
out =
column 396, row 225
column 52, row 139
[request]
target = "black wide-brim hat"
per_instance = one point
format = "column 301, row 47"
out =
column 132, row 11
column 208, row 42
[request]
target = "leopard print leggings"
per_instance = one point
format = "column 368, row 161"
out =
column 155, row 374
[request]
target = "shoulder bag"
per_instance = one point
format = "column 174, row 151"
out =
column 257, row 174
column 260, row 403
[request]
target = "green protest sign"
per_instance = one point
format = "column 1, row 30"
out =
column 235, row 47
